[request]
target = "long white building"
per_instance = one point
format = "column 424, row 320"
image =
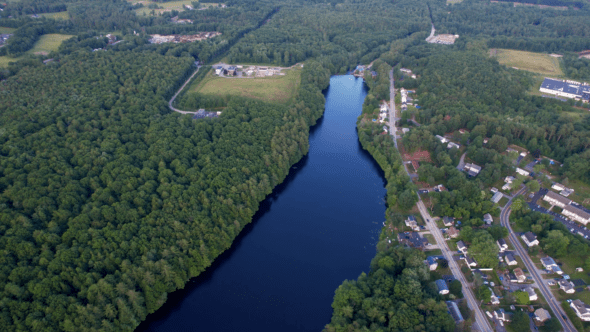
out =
column 566, row 88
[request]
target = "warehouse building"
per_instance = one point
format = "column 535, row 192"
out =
column 566, row 88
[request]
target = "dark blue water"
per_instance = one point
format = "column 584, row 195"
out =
column 315, row 230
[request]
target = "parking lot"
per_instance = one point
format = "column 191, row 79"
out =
column 577, row 228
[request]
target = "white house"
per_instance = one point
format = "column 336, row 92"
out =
column 462, row 247
column 510, row 259
column 509, row 179
column 502, row 245
column 487, row 218
column 441, row 139
column 558, row 186
column 453, row 145
column 582, row 310
column 530, row 239
column 497, row 197
column 501, row 315
column 542, row 315
column 550, row 265
column 576, row 214
column 532, row 295
column 494, row 299
column 507, row 186
column 432, row 263
column 470, row 261
column 472, row 169
column 566, row 286
column 522, row 172
column 519, row 275
column 556, row 199
column 448, row 221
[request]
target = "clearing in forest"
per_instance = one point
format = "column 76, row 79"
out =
column 540, row 63
column 163, row 6
column 57, row 16
column 275, row 88
column 6, row 30
column 48, row 43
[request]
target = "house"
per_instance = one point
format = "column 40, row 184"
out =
column 532, row 295
column 470, row 261
column 453, row 145
column 432, row 262
column 507, row 186
column 510, row 259
column 453, row 232
column 494, row 190
column 512, row 277
column 411, row 222
column 412, row 239
column 530, row 239
column 542, row 315
column 502, row 245
column 519, row 275
column 566, row 286
column 551, row 282
column 405, row 130
column 218, row 70
column 522, row 172
column 494, row 299
column 501, row 315
column 472, row 169
column 509, row 179
column 442, row 287
column 550, row 265
column 454, row 311
column 576, row 214
column 462, row 247
column 231, row 70
column 556, row 199
column 558, row 186
column 497, row 197
column 487, row 218
column 579, row 269
column 441, row 139
column 385, row 129
column 581, row 309
column 566, row 192
column 448, row 221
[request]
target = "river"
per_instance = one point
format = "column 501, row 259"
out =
column 315, row 230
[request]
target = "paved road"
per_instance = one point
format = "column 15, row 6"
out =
column 480, row 318
column 461, row 162
column 392, row 113
column 555, row 306
column 178, row 92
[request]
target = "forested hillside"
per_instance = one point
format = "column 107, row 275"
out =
column 109, row 201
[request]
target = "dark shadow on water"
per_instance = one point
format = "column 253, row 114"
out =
column 374, row 165
column 176, row 298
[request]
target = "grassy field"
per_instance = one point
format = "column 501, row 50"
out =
column 4, row 60
column 48, row 43
column 57, row 16
column 6, row 30
column 275, row 89
column 167, row 6
column 534, row 62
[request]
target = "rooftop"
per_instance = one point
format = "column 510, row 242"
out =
column 581, row 213
column 571, row 87
column 530, row 236
column 558, row 198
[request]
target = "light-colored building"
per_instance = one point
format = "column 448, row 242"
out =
column 510, row 260
column 530, row 239
column 542, row 315
column 566, row 286
column 522, row 172
column 470, row 261
column 462, row 247
column 453, row 145
column 497, row 197
column 502, row 245
column 581, row 309
column 448, row 221
column 558, row 186
column 566, row 88
column 442, row 287
column 441, row 139
column 519, row 275
column 472, row 169
column 411, row 222
column 556, row 199
column 487, row 218
column 532, row 294
column 509, row 179
column 550, row 265
column 576, row 214
column 453, row 232
column 432, row 263
column 501, row 315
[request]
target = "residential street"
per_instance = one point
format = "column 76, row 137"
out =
column 535, row 273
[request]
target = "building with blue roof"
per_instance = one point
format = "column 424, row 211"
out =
column 432, row 262
column 566, row 88
column 442, row 287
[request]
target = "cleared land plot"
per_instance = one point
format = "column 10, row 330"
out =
column 6, row 30
column 164, row 6
column 4, row 60
column 57, row 16
column 534, row 62
column 48, row 43
column 275, row 89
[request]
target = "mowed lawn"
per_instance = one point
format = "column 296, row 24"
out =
column 57, row 16
column 167, row 6
column 534, row 62
column 48, row 43
column 276, row 88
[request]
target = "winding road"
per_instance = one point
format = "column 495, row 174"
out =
column 557, row 310
column 178, row 92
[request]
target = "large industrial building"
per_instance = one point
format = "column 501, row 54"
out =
column 566, row 88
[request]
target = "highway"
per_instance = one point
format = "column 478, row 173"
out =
column 480, row 319
column 555, row 306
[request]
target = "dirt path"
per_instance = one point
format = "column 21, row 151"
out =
column 178, row 92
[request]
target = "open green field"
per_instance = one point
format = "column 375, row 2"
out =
column 534, row 62
column 6, row 30
column 48, row 43
column 57, row 16
column 275, row 88
column 4, row 60
column 167, row 6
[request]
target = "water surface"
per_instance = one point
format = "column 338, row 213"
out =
column 315, row 230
